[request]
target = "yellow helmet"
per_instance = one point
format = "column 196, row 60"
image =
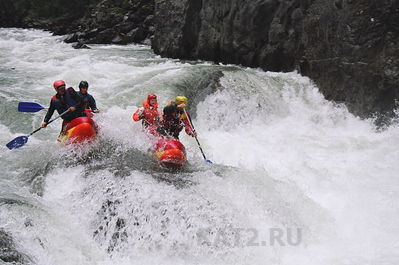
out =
column 181, row 99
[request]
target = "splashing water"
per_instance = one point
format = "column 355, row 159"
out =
column 296, row 179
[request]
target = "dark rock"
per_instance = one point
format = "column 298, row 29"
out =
column 101, row 24
column 151, row 30
column 117, row 20
column 91, row 33
column 80, row 45
column 147, row 42
column 149, row 21
column 136, row 35
column 104, row 36
column 71, row 38
column 349, row 48
column 118, row 39
column 126, row 27
column 8, row 253
column 120, row 223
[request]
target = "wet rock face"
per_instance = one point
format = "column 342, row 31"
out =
column 253, row 33
column 8, row 254
column 107, row 21
column 117, row 22
column 10, row 16
column 349, row 48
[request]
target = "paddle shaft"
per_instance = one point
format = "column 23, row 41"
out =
column 199, row 145
column 22, row 140
column 38, row 129
column 192, row 126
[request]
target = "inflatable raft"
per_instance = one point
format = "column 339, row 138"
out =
column 79, row 130
column 167, row 151
column 170, row 153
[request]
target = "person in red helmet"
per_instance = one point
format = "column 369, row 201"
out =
column 65, row 99
column 148, row 113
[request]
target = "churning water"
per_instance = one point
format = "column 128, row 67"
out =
column 296, row 179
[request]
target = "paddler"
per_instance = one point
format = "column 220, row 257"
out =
column 65, row 99
column 175, row 118
column 88, row 100
column 148, row 113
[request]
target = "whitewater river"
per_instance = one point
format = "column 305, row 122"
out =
column 296, row 179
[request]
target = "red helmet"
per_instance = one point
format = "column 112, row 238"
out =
column 58, row 83
column 151, row 96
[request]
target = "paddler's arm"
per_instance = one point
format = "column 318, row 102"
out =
column 187, row 126
column 138, row 115
column 92, row 104
column 50, row 113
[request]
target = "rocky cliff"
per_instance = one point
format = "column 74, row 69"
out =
column 118, row 22
column 59, row 16
column 349, row 48
column 86, row 21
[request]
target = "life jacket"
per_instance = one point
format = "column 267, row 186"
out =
column 183, row 118
column 59, row 103
column 174, row 123
column 62, row 103
column 88, row 101
column 148, row 113
column 68, row 96
column 171, row 123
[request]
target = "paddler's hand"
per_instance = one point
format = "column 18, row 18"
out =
column 192, row 133
column 96, row 111
column 43, row 125
column 71, row 108
column 181, row 106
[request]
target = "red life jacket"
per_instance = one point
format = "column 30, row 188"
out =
column 149, row 114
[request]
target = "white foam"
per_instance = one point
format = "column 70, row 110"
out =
column 283, row 157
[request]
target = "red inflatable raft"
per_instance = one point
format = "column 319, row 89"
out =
column 79, row 130
column 170, row 153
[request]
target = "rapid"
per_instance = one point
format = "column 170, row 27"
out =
column 295, row 179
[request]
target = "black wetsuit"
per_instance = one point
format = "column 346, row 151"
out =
column 62, row 102
column 88, row 101
column 171, row 124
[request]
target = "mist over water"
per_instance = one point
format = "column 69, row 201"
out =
column 287, row 164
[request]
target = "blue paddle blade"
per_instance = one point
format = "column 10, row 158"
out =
column 209, row 161
column 17, row 142
column 29, row 107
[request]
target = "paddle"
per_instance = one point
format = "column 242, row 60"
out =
column 29, row 107
column 22, row 140
column 199, row 145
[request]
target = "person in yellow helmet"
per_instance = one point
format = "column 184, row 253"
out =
column 180, row 100
column 174, row 118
